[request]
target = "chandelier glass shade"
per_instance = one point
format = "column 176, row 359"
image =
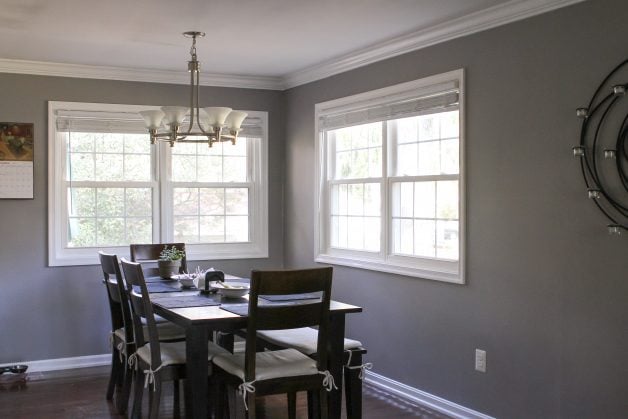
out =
column 214, row 123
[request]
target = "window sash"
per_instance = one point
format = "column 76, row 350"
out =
column 345, row 112
column 67, row 116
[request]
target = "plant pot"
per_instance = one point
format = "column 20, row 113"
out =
column 167, row 268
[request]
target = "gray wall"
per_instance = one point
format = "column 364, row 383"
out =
column 547, row 286
column 48, row 313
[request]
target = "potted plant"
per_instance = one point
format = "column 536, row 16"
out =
column 169, row 261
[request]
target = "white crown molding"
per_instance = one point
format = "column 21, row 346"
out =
column 492, row 17
column 41, row 68
column 423, row 398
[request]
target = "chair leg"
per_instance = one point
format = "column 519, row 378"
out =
column 113, row 375
column 124, row 392
column 155, row 398
column 138, row 394
column 250, row 401
column 313, row 404
column 236, row 406
column 292, row 405
column 353, row 388
column 324, row 411
column 177, row 399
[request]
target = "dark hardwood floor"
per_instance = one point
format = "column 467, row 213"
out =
column 81, row 394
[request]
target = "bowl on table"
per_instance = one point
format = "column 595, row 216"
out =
column 231, row 289
column 186, row 280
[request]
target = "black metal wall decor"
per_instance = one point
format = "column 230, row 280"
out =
column 603, row 148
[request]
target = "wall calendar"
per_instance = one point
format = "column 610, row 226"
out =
column 16, row 160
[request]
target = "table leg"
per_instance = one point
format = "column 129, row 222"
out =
column 196, row 372
column 336, row 349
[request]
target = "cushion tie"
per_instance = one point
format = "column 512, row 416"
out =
column 132, row 360
column 150, row 376
column 328, row 381
column 121, row 351
column 362, row 368
column 246, row 387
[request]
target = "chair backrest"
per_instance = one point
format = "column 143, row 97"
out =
column 141, row 308
column 150, row 253
column 288, row 316
column 117, row 294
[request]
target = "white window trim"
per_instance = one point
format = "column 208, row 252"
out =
column 383, row 261
column 59, row 255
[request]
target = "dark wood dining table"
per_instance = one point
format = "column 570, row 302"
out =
column 200, row 322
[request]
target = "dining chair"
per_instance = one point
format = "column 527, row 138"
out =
column 122, row 332
column 155, row 361
column 305, row 341
column 254, row 373
column 150, row 253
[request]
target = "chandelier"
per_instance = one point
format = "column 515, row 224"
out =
column 214, row 123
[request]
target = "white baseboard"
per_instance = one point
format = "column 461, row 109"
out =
column 421, row 397
column 66, row 363
column 395, row 387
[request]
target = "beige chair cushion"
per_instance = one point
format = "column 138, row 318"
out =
column 167, row 331
column 174, row 352
column 303, row 339
column 272, row 364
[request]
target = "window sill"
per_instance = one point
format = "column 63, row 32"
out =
column 382, row 266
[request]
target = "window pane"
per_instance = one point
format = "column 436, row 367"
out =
column 109, row 167
column 137, row 167
column 407, row 156
column 109, row 143
column 81, row 232
column 449, row 157
column 407, row 130
column 139, row 230
column 429, row 158
column 185, row 201
column 234, row 169
column 82, row 202
column 447, row 237
column 110, row 232
column 372, row 234
column 137, row 143
column 447, row 199
column 237, row 228
column 356, row 199
column 212, row 229
column 237, row 200
column 139, row 202
column 356, row 238
column 372, row 199
column 212, row 201
column 80, row 141
column 424, row 238
column 407, row 199
column 183, row 168
column 334, row 231
column 109, row 202
column 429, row 127
column 81, row 167
column 424, row 199
column 186, row 229
column 358, row 151
column 449, row 125
column 209, row 169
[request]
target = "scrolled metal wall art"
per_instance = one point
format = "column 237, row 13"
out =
column 603, row 149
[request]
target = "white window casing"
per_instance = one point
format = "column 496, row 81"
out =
column 433, row 95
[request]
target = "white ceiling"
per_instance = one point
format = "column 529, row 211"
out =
column 273, row 39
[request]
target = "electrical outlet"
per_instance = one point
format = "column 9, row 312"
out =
column 480, row 360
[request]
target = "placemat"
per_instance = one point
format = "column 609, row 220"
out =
column 186, row 301
column 164, row 286
column 239, row 309
column 292, row 297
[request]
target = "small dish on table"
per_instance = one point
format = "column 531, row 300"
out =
column 231, row 289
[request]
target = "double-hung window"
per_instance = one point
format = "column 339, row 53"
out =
column 109, row 187
column 391, row 183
